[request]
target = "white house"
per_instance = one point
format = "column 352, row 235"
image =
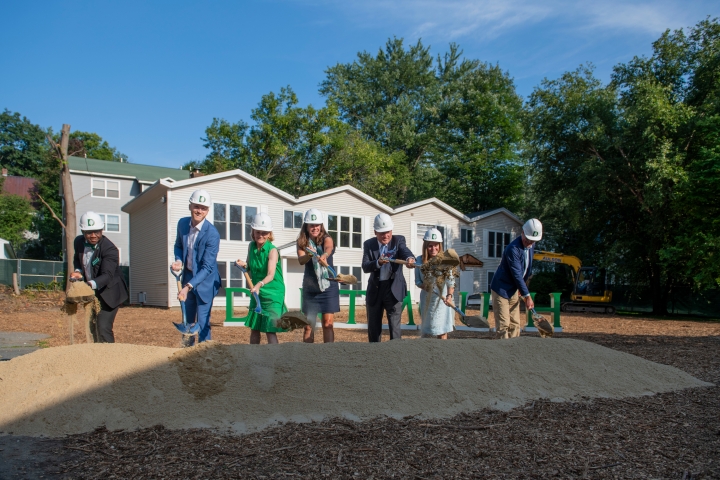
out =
column 237, row 196
column 104, row 187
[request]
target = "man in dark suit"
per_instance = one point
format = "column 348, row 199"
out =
column 511, row 277
column 196, row 250
column 97, row 261
column 386, row 287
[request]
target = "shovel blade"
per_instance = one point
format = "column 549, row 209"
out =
column 187, row 328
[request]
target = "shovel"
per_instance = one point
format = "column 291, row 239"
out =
column 187, row 330
column 473, row 321
column 258, row 308
column 340, row 278
column 542, row 324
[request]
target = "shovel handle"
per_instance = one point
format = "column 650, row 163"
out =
column 248, row 281
column 451, row 305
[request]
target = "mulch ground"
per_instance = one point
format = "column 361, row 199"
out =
column 672, row 435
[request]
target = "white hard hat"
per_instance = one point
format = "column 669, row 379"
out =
column 433, row 235
column 200, row 197
column 262, row 222
column 313, row 217
column 383, row 223
column 533, row 230
column 91, row 221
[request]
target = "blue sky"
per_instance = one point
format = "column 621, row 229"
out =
column 149, row 76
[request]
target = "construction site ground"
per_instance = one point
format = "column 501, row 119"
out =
column 671, row 435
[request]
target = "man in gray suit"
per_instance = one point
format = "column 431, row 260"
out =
column 386, row 287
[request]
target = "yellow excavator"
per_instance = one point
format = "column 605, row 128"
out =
column 590, row 292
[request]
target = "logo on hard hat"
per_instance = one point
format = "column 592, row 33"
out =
column 91, row 223
column 383, row 224
column 202, row 199
column 263, row 222
column 433, row 236
column 535, row 234
column 313, row 217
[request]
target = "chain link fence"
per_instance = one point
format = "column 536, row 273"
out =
column 39, row 274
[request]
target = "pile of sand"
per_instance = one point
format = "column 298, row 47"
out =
column 75, row 389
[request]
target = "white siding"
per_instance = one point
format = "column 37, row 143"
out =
column 84, row 201
column 149, row 268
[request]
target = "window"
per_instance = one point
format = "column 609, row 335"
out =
column 237, row 279
column 112, row 222
column 222, row 269
column 345, row 231
column 250, row 213
column 292, row 219
column 228, row 219
column 357, row 271
column 105, row 188
column 490, row 276
column 466, row 235
column 497, row 241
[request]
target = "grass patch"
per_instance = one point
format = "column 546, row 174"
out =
column 43, row 344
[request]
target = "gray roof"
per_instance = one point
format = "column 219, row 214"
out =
column 144, row 173
column 477, row 214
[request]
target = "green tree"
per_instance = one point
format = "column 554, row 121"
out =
column 450, row 118
column 92, row 145
column 16, row 213
column 614, row 167
column 22, row 145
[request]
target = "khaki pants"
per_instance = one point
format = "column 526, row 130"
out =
column 507, row 315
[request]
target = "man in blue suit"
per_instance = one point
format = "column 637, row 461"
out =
column 386, row 288
column 511, row 277
column 196, row 250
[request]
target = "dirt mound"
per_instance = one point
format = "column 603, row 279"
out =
column 75, row 389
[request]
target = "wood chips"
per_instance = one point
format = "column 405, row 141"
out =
column 672, row 435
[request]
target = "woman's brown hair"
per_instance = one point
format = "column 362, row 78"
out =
column 304, row 236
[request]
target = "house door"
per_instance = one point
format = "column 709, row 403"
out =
column 467, row 281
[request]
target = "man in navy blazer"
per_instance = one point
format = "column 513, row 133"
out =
column 196, row 250
column 511, row 277
column 386, row 287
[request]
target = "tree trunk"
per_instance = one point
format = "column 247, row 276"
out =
column 69, row 203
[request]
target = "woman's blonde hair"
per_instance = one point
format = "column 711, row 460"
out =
column 270, row 237
column 304, row 236
column 426, row 244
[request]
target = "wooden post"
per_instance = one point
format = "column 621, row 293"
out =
column 16, row 287
column 69, row 202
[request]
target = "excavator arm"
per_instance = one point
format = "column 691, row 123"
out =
column 573, row 262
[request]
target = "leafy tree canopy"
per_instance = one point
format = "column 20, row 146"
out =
column 623, row 170
column 23, row 147
column 92, row 145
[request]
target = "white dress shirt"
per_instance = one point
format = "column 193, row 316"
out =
column 87, row 266
column 191, row 237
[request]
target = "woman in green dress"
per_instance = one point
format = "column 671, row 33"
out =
column 266, row 274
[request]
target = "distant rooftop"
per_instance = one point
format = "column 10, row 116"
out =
column 143, row 173
column 477, row 214
column 23, row 186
